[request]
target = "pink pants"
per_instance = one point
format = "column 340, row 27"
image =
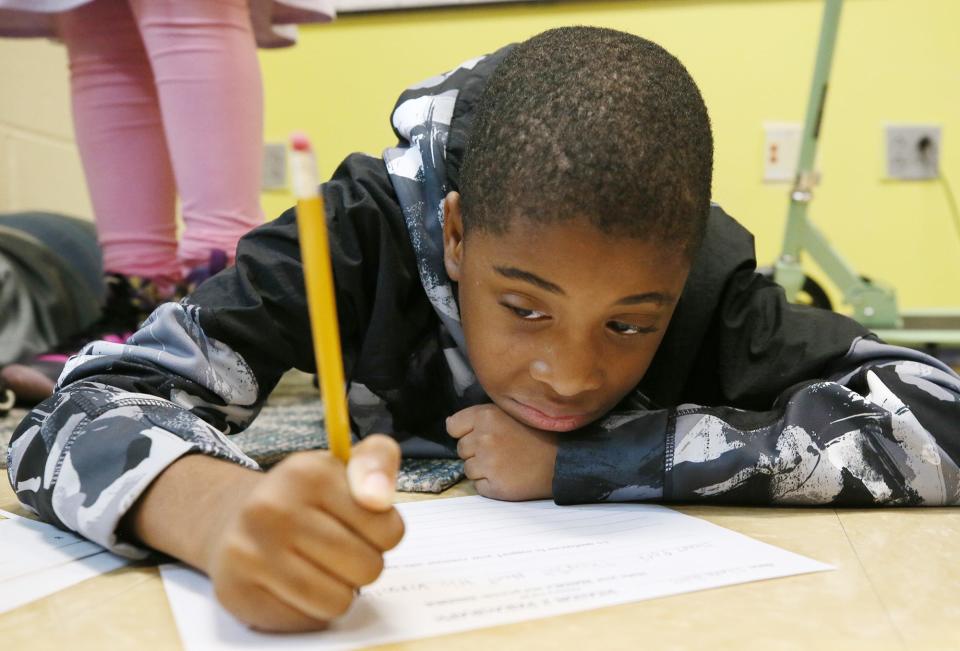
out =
column 166, row 96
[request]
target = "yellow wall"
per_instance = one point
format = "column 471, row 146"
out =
column 39, row 164
column 896, row 60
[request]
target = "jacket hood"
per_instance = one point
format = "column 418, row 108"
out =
column 432, row 120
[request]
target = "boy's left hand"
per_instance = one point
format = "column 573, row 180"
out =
column 506, row 459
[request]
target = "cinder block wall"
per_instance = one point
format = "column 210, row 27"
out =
column 39, row 165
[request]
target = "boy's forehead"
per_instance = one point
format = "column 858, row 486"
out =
column 550, row 234
column 573, row 249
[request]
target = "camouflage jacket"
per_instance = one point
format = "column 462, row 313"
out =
column 748, row 400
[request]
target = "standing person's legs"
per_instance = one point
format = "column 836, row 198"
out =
column 121, row 140
column 205, row 64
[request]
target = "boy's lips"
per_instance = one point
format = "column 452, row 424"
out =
column 554, row 420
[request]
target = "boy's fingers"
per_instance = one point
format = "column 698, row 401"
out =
column 471, row 468
column 372, row 472
column 262, row 610
column 461, row 423
column 319, row 479
column 484, row 488
column 466, row 447
column 329, row 544
column 307, row 589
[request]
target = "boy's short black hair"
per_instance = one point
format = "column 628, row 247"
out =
column 596, row 124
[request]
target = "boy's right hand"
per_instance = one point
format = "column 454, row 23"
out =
column 306, row 536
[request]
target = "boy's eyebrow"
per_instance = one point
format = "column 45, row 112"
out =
column 532, row 278
column 647, row 297
column 658, row 298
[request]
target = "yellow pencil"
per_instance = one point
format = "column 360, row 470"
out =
column 321, row 300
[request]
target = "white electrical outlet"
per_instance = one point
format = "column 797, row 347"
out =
column 781, row 150
column 274, row 175
column 913, row 151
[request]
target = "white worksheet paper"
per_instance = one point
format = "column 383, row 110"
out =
column 38, row 559
column 470, row 562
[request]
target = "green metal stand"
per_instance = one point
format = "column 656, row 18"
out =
column 874, row 304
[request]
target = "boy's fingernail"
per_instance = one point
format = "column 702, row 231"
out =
column 378, row 485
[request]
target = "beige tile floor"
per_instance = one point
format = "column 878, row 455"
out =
column 896, row 587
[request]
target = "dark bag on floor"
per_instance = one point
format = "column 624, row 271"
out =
column 51, row 282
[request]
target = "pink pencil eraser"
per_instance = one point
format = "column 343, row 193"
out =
column 300, row 142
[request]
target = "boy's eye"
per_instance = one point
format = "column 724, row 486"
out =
column 628, row 329
column 525, row 314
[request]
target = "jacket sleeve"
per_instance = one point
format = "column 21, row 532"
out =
column 878, row 425
column 199, row 370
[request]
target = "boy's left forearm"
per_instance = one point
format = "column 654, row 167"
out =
column 882, row 432
column 620, row 459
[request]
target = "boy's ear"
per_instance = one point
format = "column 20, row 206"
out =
column 452, row 236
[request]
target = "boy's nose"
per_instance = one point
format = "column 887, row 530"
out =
column 568, row 373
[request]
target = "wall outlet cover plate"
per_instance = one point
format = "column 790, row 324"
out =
column 781, row 151
column 913, row 151
column 274, row 176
